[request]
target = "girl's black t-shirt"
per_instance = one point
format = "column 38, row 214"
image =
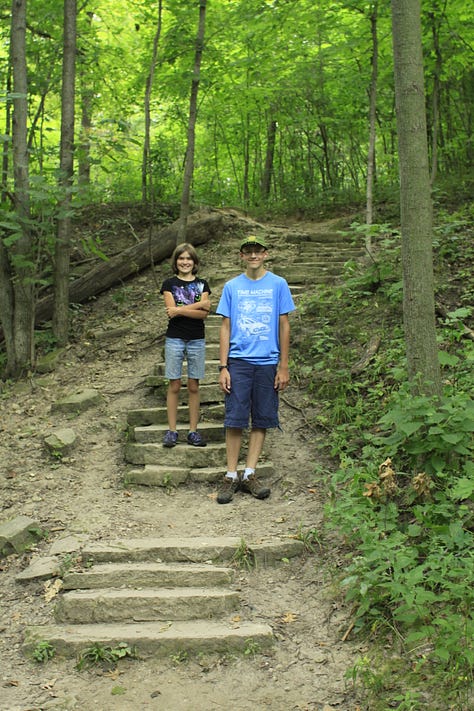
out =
column 185, row 292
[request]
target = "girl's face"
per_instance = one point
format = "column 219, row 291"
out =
column 185, row 263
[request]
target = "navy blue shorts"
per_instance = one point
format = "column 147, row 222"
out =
column 252, row 396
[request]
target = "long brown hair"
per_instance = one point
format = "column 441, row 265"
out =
column 184, row 247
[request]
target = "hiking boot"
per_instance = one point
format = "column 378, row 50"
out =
column 196, row 440
column 251, row 485
column 170, row 438
column 227, row 489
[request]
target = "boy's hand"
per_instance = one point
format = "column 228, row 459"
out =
column 224, row 381
column 282, row 378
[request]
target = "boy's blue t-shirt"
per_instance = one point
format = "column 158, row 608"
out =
column 254, row 309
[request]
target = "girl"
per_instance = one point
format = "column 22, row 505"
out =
column 187, row 304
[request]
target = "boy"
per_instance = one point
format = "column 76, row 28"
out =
column 254, row 350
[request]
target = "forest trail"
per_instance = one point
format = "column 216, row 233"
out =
column 147, row 557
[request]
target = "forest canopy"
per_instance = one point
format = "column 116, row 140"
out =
column 283, row 104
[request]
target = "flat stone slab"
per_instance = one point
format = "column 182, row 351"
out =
column 195, row 550
column 147, row 575
column 77, row 402
column 152, row 639
column 140, row 605
column 210, row 431
column 183, row 455
column 18, row 534
column 158, row 415
column 155, row 475
column 40, row 569
column 207, row 393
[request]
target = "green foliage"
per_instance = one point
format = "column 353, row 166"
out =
column 105, row 655
column 244, row 557
column 401, row 494
column 43, row 652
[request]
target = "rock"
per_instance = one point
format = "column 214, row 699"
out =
column 18, row 534
column 61, row 441
column 78, row 402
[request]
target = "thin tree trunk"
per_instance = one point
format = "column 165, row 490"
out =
column 189, row 160
column 63, row 239
column 146, row 168
column 372, row 127
column 21, row 256
column 269, row 156
column 415, row 199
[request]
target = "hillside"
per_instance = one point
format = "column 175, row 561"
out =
column 82, row 497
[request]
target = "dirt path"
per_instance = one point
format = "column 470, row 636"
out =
column 83, row 496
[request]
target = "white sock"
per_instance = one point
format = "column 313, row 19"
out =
column 232, row 475
column 248, row 471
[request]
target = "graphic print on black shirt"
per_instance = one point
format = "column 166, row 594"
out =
column 184, row 293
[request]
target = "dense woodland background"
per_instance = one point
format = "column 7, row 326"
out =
column 299, row 109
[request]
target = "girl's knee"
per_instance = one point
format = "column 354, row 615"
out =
column 174, row 386
column 193, row 385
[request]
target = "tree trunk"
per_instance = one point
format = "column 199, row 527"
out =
column 372, row 127
column 189, row 160
column 63, row 239
column 20, row 255
column 415, row 199
column 146, row 168
column 270, row 153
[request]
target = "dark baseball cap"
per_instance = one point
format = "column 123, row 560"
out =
column 253, row 240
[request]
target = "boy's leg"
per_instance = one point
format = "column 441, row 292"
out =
column 233, row 440
column 256, row 442
column 250, row 483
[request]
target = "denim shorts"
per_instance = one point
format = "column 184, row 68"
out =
column 252, row 395
column 177, row 350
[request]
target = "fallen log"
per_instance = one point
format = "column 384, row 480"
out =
column 202, row 227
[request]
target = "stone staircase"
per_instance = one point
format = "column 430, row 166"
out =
column 165, row 596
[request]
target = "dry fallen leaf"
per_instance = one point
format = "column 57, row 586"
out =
column 288, row 617
column 51, row 589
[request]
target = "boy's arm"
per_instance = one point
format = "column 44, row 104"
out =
column 282, row 377
column 224, row 345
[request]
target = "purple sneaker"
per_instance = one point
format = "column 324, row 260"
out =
column 195, row 439
column 170, row 438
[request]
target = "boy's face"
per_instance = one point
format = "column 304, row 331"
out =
column 253, row 255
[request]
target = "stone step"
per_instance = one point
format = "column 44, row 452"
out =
column 209, row 394
column 211, row 375
column 218, row 549
column 183, row 455
column 297, row 277
column 158, row 415
column 152, row 639
column 314, row 267
column 147, row 575
column 155, row 475
column 147, row 604
column 331, row 238
column 211, row 432
column 330, row 255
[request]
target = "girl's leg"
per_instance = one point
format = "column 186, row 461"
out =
column 193, row 403
column 172, row 402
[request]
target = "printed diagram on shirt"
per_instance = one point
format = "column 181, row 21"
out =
column 188, row 294
column 254, row 317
